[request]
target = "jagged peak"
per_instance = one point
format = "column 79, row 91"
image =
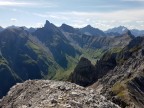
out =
column 91, row 27
column 120, row 27
column 68, row 28
column 50, row 26
column 12, row 26
column 65, row 25
column 123, row 28
column 88, row 26
column 47, row 24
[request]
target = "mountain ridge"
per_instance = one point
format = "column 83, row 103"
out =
column 45, row 93
column 22, row 57
column 119, row 75
column 50, row 52
column 89, row 30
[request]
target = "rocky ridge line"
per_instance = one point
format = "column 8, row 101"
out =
column 52, row 94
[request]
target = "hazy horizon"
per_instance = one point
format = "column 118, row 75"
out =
column 77, row 13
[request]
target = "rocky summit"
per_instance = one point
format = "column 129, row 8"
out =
column 53, row 94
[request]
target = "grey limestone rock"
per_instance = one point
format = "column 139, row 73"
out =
column 53, row 94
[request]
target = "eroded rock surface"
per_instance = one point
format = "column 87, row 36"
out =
column 52, row 94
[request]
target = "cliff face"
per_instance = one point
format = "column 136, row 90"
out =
column 83, row 73
column 119, row 76
column 86, row 73
column 124, row 83
column 52, row 94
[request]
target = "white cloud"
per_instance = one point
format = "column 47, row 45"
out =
column 126, row 15
column 140, row 21
column 13, row 19
column 10, row 3
column 39, row 25
column 103, row 20
column 51, row 15
column 26, row 4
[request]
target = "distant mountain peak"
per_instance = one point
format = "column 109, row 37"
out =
column 121, row 26
column 47, row 24
column 120, row 30
column 65, row 26
column 13, row 26
column 68, row 28
column 137, row 32
column 89, row 26
column 50, row 27
column 23, row 27
column 89, row 30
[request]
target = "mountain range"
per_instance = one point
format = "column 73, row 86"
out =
column 117, row 75
column 89, row 30
column 121, row 29
column 108, row 61
column 118, row 30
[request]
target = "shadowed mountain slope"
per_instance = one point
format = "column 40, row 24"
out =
column 21, row 58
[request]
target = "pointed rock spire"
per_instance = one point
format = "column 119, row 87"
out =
column 47, row 24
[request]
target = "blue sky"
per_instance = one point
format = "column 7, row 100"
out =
column 101, row 14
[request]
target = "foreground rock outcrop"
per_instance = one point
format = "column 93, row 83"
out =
column 52, row 94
